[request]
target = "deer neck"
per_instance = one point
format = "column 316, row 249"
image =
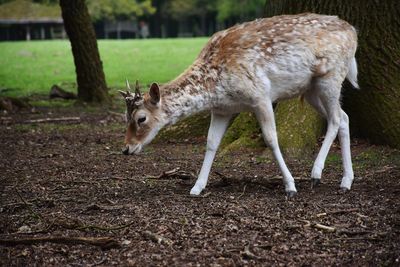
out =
column 188, row 94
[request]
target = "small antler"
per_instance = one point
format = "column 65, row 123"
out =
column 132, row 101
column 137, row 89
column 127, row 93
column 127, row 84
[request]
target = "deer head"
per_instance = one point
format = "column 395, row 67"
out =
column 142, row 117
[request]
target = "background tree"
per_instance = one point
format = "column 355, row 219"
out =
column 88, row 66
column 375, row 109
column 119, row 9
column 199, row 11
column 241, row 10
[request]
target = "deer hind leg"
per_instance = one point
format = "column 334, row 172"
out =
column 218, row 126
column 265, row 116
column 344, row 138
column 325, row 99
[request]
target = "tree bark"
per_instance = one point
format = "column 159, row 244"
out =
column 374, row 110
column 88, row 66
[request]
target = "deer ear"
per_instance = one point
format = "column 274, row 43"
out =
column 154, row 93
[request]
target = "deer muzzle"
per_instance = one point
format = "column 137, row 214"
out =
column 132, row 149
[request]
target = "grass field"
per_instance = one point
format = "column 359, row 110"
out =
column 33, row 67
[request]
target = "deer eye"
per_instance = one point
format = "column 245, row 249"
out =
column 141, row 120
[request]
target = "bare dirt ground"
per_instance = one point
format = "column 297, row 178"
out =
column 68, row 181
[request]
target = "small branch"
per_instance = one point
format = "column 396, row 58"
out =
column 157, row 238
column 324, row 227
column 101, row 207
column 361, row 238
column 118, row 178
column 244, row 189
column 75, row 224
column 49, row 120
column 295, row 178
column 319, row 226
column 336, row 212
column 101, row 228
column 103, row 242
column 354, row 233
column 28, row 205
column 246, row 253
column 173, row 173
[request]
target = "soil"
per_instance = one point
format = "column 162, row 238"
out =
column 68, row 179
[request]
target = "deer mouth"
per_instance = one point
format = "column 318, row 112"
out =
column 132, row 149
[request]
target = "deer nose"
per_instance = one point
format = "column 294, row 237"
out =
column 125, row 151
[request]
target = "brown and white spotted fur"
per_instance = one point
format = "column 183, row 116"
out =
column 247, row 68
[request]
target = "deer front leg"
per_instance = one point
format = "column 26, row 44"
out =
column 266, row 118
column 218, row 126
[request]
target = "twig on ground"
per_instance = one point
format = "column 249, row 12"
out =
column 103, row 242
column 246, row 253
column 28, row 205
column 118, row 178
column 103, row 207
column 336, row 212
column 49, row 120
column 319, row 226
column 157, row 238
column 334, row 229
column 76, row 224
column 360, row 238
column 280, row 178
column 101, row 228
column 244, row 189
column 176, row 172
column 353, row 233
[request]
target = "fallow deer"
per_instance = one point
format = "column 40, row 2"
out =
column 247, row 68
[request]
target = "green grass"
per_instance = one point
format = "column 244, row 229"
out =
column 33, row 67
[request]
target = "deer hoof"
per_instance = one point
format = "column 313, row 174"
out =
column 343, row 190
column 196, row 190
column 290, row 194
column 315, row 182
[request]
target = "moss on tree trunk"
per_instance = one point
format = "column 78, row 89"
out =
column 88, row 66
column 243, row 132
column 299, row 126
column 375, row 109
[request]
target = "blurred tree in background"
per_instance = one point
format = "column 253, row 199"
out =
column 241, row 10
column 119, row 9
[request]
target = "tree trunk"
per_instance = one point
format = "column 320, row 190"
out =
column 375, row 109
column 88, row 66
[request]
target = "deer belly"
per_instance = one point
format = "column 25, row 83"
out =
column 289, row 84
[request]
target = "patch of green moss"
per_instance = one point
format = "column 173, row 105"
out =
column 244, row 142
column 298, row 126
column 377, row 157
column 334, row 159
column 191, row 127
column 243, row 132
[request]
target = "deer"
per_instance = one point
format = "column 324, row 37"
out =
column 249, row 67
